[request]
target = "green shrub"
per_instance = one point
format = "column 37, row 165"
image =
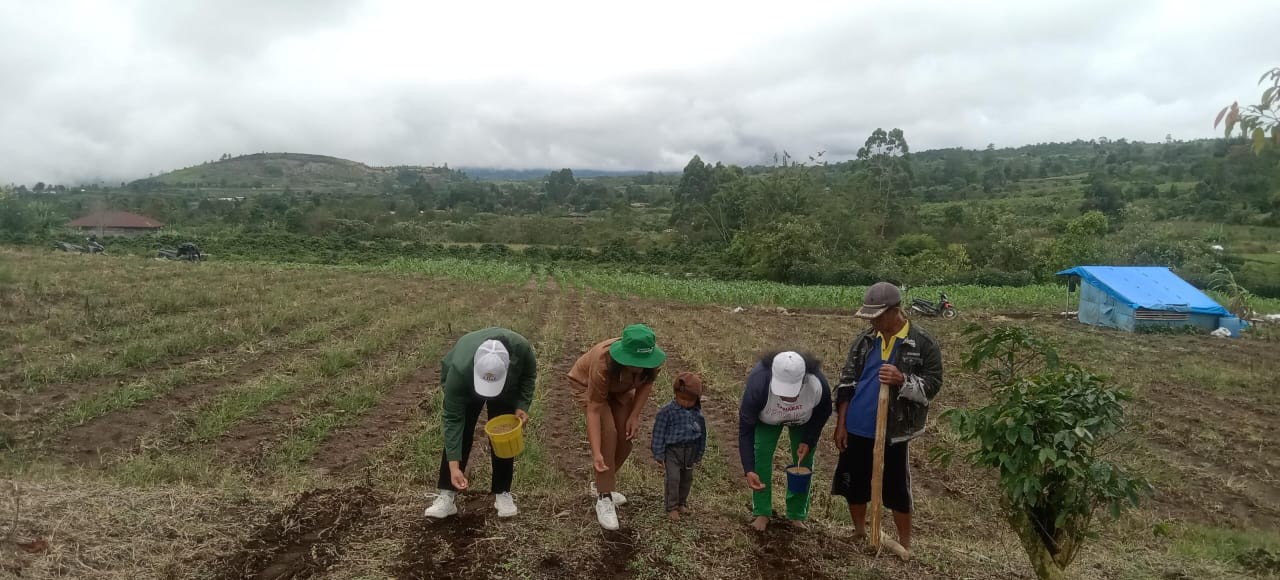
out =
column 1048, row 432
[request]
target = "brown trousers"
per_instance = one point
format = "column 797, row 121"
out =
column 613, row 438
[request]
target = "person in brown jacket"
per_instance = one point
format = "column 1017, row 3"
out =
column 613, row 381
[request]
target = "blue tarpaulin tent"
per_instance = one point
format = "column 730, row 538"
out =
column 1129, row 297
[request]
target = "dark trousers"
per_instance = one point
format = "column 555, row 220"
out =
column 853, row 474
column 503, row 469
column 679, row 474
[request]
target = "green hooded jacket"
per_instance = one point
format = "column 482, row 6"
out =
column 459, row 390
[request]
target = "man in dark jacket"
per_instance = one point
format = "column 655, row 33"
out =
column 909, row 361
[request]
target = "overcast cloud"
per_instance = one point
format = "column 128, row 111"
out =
column 118, row 90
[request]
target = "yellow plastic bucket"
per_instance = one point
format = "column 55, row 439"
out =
column 505, row 436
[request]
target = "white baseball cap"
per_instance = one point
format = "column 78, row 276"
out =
column 489, row 373
column 788, row 374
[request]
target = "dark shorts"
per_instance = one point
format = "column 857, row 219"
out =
column 853, row 474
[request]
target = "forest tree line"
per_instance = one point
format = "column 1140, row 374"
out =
column 995, row 216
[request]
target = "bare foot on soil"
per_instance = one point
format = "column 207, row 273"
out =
column 684, row 509
column 887, row 544
column 760, row 523
column 799, row 525
column 674, row 515
column 895, row 548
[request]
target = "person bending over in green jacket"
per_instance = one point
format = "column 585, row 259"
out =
column 494, row 367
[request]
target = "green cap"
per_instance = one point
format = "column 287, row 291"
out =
column 638, row 347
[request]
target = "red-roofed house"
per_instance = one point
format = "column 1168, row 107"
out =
column 115, row 223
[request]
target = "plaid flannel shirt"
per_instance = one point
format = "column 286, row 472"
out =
column 676, row 425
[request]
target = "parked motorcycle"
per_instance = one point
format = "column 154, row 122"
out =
column 943, row 307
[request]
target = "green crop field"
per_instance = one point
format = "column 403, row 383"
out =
column 1041, row 297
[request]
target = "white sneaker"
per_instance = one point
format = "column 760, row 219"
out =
column 444, row 506
column 606, row 514
column 618, row 499
column 505, row 505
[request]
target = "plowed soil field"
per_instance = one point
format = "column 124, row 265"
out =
column 172, row 420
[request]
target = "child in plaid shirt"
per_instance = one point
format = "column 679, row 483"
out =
column 679, row 440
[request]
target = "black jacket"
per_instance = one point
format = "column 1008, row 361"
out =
column 920, row 360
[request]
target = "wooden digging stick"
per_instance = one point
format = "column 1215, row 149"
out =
column 877, row 466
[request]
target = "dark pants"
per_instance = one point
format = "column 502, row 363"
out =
column 679, row 476
column 503, row 469
column 853, row 474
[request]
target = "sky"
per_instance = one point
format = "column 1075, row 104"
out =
column 118, row 90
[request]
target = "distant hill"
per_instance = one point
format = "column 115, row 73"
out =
column 298, row 171
column 493, row 174
column 302, row 171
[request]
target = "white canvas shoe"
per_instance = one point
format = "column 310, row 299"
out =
column 444, row 506
column 618, row 499
column 606, row 514
column 505, row 505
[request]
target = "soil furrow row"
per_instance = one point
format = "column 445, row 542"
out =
column 167, row 334
column 564, row 441
column 250, row 441
column 127, row 428
column 351, row 444
column 303, row 540
column 43, row 400
column 347, row 450
column 124, row 429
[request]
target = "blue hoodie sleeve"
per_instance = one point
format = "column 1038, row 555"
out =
column 817, row 421
column 754, row 398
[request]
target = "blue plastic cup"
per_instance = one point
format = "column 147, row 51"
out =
column 798, row 479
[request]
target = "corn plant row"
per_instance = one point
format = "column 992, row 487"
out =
column 469, row 270
column 745, row 293
column 759, row 293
